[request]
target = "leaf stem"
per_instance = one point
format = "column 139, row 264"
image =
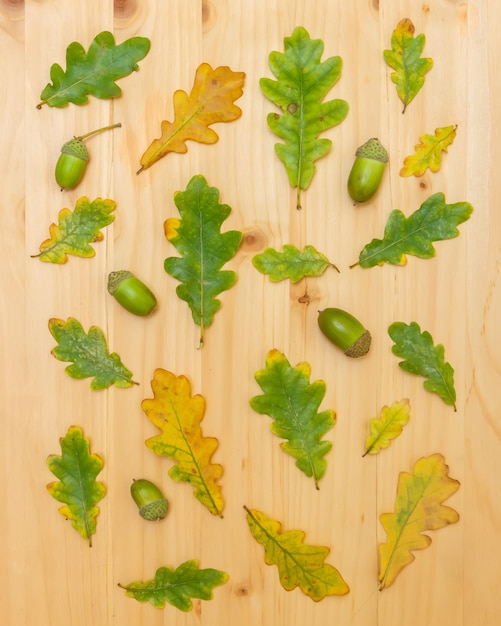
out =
column 99, row 130
column 298, row 198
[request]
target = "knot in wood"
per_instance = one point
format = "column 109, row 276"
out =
column 124, row 9
column 12, row 9
column 209, row 15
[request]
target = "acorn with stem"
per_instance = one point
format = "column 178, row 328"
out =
column 344, row 331
column 73, row 159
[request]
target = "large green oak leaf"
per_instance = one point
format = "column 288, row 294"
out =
column 302, row 82
column 292, row 402
column 203, row 248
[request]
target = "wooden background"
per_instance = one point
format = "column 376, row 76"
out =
column 48, row 574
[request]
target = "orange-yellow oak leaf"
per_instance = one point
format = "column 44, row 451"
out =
column 428, row 153
column 178, row 415
column 419, row 507
column 211, row 100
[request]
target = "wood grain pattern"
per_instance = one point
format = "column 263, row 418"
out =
column 48, row 575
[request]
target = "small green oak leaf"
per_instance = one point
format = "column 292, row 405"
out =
column 93, row 72
column 291, row 263
column 435, row 220
column 422, row 358
column 89, row 355
column 405, row 59
column 77, row 230
column 77, row 487
column 177, row 586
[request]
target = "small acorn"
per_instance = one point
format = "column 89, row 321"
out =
column 345, row 331
column 367, row 171
column 150, row 500
column 72, row 162
column 131, row 293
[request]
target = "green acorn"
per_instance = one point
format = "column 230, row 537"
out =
column 150, row 500
column 73, row 159
column 345, row 331
column 367, row 171
column 131, row 293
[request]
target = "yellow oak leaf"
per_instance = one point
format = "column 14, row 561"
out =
column 418, row 508
column 428, row 153
column 178, row 415
column 387, row 427
column 299, row 564
column 211, row 100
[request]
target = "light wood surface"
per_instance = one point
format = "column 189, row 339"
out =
column 48, row 574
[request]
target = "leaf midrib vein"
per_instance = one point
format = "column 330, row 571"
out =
column 297, row 422
column 180, row 126
column 191, row 454
column 404, row 526
column 80, row 480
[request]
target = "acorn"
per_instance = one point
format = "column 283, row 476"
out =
column 72, row 162
column 131, row 293
column 150, row 500
column 367, row 170
column 344, row 331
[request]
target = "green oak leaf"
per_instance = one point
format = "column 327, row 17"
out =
column 77, row 487
column 405, row 58
column 89, row 354
column 177, row 586
column 291, row 263
column 95, row 72
column 292, row 402
column 203, row 248
column 299, row 564
column 77, row 230
column 422, row 358
column 435, row 220
column 302, row 82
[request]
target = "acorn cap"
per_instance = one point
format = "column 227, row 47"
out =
column 155, row 510
column 76, row 147
column 372, row 149
column 116, row 278
column 360, row 347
